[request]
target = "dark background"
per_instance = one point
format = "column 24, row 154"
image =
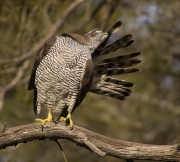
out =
column 150, row 115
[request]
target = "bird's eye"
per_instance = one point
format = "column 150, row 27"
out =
column 95, row 32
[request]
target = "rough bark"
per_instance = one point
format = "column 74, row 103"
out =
column 100, row 144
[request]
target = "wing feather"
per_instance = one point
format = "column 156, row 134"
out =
column 86, row 82
column 40, row 55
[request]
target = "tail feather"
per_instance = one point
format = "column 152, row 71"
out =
column 120, row 43
column 117, row 71
column 117, row 88
column 120, row 64
column 108, row 92
column 116, row 27
column 120, row 58
column 118, row 82
column 112, row 90
column 109, row 86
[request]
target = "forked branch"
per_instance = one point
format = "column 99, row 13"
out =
column 97, row 143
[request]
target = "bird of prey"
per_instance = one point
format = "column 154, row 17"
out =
column 68, row 66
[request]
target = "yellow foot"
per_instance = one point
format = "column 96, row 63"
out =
column 48, row 119
column 43, row 121
column 68, row 118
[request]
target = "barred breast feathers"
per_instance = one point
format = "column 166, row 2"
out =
column 59, row 73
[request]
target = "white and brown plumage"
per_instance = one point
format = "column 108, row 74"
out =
column 69, row 66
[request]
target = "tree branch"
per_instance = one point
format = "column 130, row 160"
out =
column 24, row 58
column 51, row 32
column 95, row 142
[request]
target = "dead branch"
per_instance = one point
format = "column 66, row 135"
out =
column 52, row 31
column 110, row 8
column 97, row 143
column 14, row 82
column 89, row 18
column 24, row 58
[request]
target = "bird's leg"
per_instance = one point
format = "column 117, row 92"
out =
column 48, row 119
column 68, row 118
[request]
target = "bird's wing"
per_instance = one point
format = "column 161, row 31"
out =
column 113, row 29
column 77, row 38
column 113, row 66
column 117, row 65
column 86, row 82
column 117, row 62
column 120, row 43
column 113, row 87
column 39, row 56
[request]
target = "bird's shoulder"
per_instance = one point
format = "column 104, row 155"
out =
column 76, row 37
column 38, row 58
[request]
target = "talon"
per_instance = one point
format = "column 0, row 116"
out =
column 69, row 119
column 43, row 121
column 56, row 121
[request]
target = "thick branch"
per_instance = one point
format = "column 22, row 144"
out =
column 98, row 143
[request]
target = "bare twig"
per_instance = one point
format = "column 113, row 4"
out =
column 14, row 82
column 110, row 8
column 46, row 16
column 21, row 25
column 52, row 31
column 18, row 76
column 89, row 18
column 95, row 142
column 24, row 58
column 4, row 127
column 64, row 156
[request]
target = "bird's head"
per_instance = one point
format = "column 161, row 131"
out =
column 94, row 38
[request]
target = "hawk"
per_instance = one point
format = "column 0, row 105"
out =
column 68, row 66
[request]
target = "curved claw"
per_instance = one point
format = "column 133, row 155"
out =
column 69, row 119
column 56, row 121
column 43, row 121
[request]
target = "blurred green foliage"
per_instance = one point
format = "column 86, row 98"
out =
column 150, row 115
